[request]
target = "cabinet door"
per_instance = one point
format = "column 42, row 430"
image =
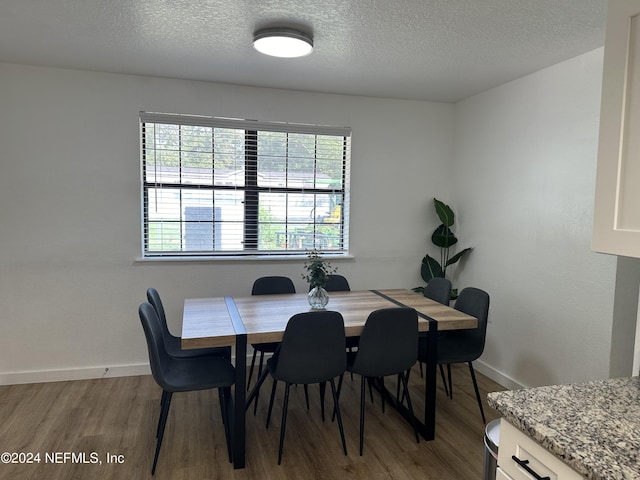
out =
column 531, row 457
column 500, row 475
column 616, row 225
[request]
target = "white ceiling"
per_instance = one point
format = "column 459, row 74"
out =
column 439, row 50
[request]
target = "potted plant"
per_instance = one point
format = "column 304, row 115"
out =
column 443, row 238
column 317, row 274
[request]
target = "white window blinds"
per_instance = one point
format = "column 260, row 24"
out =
column 227, row 187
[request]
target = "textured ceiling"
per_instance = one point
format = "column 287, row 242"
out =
column 440, row 50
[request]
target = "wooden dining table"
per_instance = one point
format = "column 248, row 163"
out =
column 238, row 321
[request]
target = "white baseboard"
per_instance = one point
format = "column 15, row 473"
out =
column 88, row 373
column 497, row 376
column 43, row 376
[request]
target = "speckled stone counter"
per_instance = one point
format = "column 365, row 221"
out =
column 594, row 427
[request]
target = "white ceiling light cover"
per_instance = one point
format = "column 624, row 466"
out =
column 282, row 42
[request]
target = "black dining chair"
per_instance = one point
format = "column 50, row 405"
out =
column 312, row 351
column 339, row 283
column 271, row 285
column 173, row 344
column 388, row 346
column 438, row 289
column 463, row 346
column 174, row 374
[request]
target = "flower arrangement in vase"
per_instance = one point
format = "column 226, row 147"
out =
column 317, row 274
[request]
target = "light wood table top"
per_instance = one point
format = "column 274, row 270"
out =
column 207, row 321
column 265, row 317
column 448, row 318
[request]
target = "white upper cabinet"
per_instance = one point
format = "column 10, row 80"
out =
column 616, row 224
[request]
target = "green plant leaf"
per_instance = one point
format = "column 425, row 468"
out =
column 444, row 212
column 430, row 268
column 443, row 237
column 458, row 256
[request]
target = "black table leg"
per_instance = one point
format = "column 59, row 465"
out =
column 238, row 433
column 430, row 380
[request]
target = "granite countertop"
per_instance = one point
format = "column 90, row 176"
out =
column 594, row 427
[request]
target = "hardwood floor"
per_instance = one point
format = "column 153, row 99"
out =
column 115, row 419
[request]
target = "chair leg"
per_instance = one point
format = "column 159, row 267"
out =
column 323, row 388
column 362, row 394
column 284, row 421
column 475, row 387
column 407, row 373
column 273, row 394
column 381, row 394
column 255, row 406
column 340, row 385
column 256, row 389
column 260, row 365
column 444, row 380
column 338, row 393
column 336, row 407
column 421, row 372
column 306, row 394
column 351, row 351
column 164, row 413
column 450, row 382
column 162, row 402
column 405, row 386
column 253, row 364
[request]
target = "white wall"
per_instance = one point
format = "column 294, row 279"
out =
column 524, row 180
column 70, row 208
column 517, row 163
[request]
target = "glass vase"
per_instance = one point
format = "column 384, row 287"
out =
column 318, row 298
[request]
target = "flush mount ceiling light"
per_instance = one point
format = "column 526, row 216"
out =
column 282, row 42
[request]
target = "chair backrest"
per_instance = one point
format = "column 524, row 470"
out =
column 438, row 289
column 158, row 356
column 312, row 348
column 388, row 343
column 153, row 297
column 272, row 285
column 470, row 342
column 337, row 283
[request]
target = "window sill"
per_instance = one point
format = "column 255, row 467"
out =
column 239, row 258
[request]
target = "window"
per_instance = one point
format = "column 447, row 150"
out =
column 226, row 187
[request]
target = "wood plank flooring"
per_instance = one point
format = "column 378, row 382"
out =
column 115, row 419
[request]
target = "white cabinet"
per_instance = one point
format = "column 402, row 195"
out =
column 530, row 456
column 616, row 224
column 500, row 475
